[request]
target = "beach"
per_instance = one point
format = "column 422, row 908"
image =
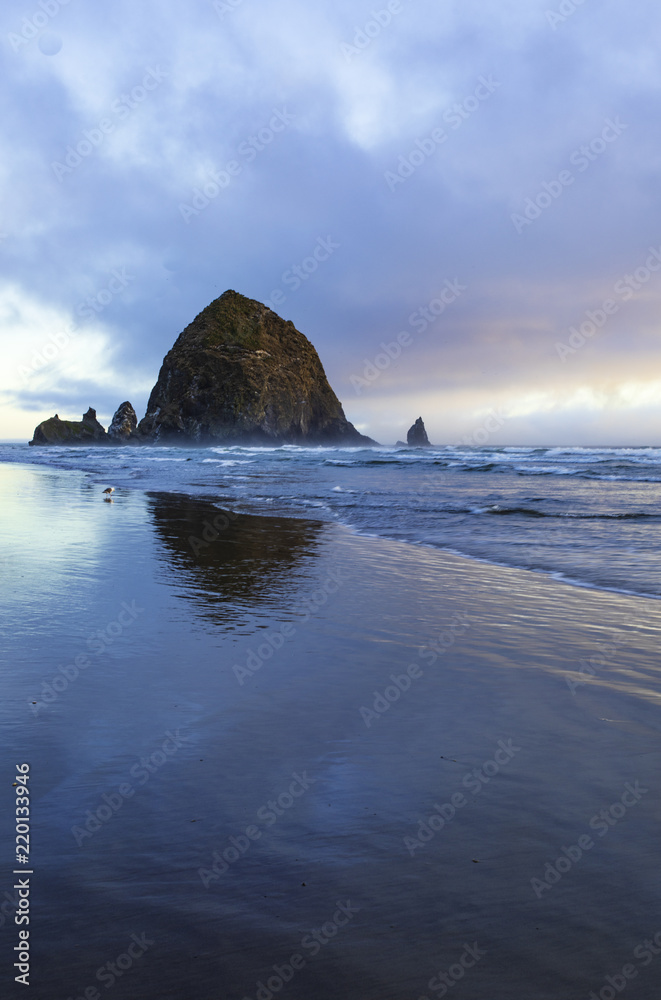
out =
column 271, row 757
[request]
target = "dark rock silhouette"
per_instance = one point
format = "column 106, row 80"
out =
column 241, row 374
column 124, row 424
column 66, row 432
column 238, row 374
column 417, row 435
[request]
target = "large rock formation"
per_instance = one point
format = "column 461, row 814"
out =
column 238, row 374
column 241, row 374
column 124, row 424
column 417, row 435
column 67, row 432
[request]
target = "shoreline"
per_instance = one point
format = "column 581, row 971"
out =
column 555, row 575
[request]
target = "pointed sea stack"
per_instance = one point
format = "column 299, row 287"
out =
column 417, row 435
column 67, row 432
column 239, row 374
column 124, row 424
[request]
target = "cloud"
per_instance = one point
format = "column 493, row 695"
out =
column 150, row 101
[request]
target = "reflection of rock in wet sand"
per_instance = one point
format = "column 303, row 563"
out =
column 229, row 559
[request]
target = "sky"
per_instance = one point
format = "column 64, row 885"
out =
column 457, row 203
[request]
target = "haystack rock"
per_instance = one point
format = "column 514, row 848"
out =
column 67, row 432
column 239, row 374
column 417, row 435
column 124, row 424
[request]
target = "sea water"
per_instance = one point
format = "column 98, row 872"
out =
column 590, row 516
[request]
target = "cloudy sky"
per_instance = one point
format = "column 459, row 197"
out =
column 477, row 179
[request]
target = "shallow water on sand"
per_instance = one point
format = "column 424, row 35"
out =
column 588, row 515
column 292, row 703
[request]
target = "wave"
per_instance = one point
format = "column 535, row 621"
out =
column 577, row 511
column 487, row 467
column 497, row 510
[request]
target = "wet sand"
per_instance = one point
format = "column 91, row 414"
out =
column 300, row 763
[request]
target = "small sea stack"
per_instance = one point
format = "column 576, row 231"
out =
column 124, row 424
column 417, row 435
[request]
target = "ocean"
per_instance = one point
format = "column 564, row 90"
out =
column 589, row 516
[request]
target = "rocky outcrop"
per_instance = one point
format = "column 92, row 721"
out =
column 417, row 435
column 124, row 424
column 238, row 374
column 67, row 432
column 241, row 374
